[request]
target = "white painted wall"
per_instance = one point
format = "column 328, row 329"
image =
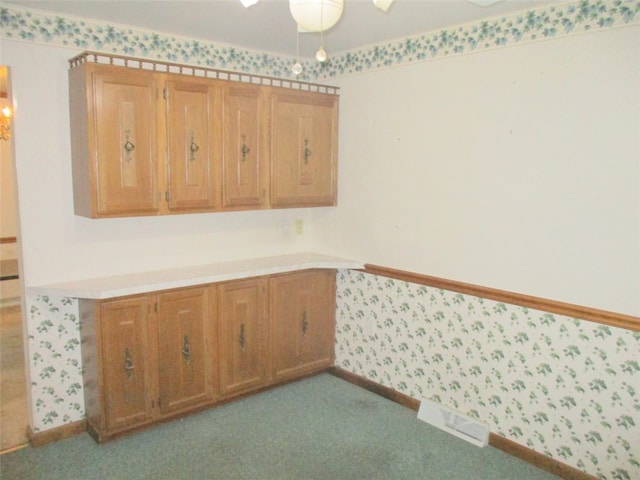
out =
column 60, row 246
column 516, row 168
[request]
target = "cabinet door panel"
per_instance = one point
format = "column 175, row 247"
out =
column 243, row 162
column 124, row 136
column 192, row 144
column 302, row 320
column 243, row 335
column 304, row 149
column 183, row 349
column 126, row 363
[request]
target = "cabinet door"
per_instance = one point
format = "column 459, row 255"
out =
column 184, row 351
column 302, row 322
column 193, row 136
column 124, row 117
column 126, row 363
column 243, row 335
column 244, row 164
column 303, row 149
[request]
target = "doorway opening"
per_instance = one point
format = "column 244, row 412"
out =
column 13, row 385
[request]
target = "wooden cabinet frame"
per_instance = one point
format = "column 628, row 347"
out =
column 148, row 142
column 156, row 356
column 304, row 149
column 302, row 312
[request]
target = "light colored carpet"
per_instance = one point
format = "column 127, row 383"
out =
column 320, row 428
column 13, row 384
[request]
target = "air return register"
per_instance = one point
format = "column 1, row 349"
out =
column 455, row 423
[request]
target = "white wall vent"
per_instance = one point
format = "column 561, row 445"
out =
column 462, row 426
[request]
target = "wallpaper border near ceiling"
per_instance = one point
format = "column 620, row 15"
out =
column 529, row 26
column 525, row 27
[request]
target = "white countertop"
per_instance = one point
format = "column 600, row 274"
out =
column 144, row 282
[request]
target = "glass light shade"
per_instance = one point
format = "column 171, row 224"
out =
column 321, row 55
column 296, row 69
column 383, row 4
column 316, row 15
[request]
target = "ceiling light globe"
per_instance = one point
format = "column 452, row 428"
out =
column 296, row 69
column 316, row 15
column 321, row 55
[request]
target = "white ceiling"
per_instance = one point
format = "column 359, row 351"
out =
column 268, row 26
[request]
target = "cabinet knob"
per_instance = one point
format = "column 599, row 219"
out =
column 186, row 349
column 245, row 149
column 128, row 144
column 242, row 339
column 305, row 323
column 193, row 148
column 128, row 363
column 307, row 150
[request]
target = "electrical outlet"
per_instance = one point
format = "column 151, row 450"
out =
column 299, row 227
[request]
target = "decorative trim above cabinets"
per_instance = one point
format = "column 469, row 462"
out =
column 543, row 23
column 156, row 138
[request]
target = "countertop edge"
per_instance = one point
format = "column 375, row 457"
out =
column 146, row 282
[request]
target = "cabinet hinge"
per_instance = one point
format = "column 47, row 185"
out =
column 166, row 196
column 164, row 93
column 155, row 307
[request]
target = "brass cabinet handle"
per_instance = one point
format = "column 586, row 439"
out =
column 242, row 339
column 193, row 148
column 305, row 323
column 307, row 150
column 186, row 349
column 128, row 363
column 128, row 144
column 245, row 149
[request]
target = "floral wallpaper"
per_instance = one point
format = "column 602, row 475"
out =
column 55, row 366
column 564, row 387
column 532, row 25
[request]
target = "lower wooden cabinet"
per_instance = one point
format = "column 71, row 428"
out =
column 185, row 322
column 243, row 337
column 127, row 379
column 302, row 322
column 156, row 356
column 145, row 357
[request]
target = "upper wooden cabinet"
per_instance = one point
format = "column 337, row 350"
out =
column 149, row 142
column 194, row 145
column 304, row 148
column 244, row 154
column 113, row 116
